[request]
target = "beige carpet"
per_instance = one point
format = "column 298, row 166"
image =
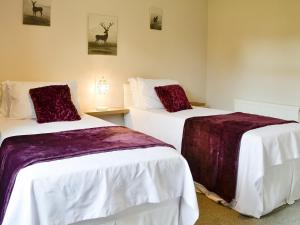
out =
column 212, row 213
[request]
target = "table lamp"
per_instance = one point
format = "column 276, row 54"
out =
column 102, row 87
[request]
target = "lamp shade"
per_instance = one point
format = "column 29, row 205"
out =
column 102, row 86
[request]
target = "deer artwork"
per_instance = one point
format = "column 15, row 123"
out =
column 155, row 19
column 36, row 9
column 104, row 36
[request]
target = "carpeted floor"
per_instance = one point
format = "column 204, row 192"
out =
column 212, row 213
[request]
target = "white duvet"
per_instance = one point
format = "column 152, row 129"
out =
column 94, row 186
column 269, row 164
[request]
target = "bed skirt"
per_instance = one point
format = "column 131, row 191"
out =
column 165, row 213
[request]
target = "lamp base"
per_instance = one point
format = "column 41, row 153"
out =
column 101, row 108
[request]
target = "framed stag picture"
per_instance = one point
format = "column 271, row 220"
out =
column 36, row 12
column 102, row 35
column 156, row 17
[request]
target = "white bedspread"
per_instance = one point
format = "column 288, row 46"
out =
column 269, row 164
column 67, row 191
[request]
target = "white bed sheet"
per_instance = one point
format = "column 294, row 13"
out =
column 269, row 165
column 100, row 185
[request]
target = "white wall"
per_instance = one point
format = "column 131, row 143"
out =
column 60, row 52
column 253, row 48
column 253, row 51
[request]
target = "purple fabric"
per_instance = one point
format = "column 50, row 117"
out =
column 21, row 151
column 211, row 146
column 53, row 103
column 173, row 98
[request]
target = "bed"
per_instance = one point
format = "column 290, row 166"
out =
column 127, row 187
column 268, row 166
column 123, row 187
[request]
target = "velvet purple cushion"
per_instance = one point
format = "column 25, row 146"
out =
column 53, row 103
column 173, row 98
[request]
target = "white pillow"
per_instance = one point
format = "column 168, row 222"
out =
column 4, row 100
column 135, row 93
column 21, row 106
column 148, row 98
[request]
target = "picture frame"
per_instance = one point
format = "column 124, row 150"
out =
column 37, row 12
column 156, row 18
column 102, row 35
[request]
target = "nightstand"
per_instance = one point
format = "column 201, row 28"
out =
column 112, row 114
column 199, row 104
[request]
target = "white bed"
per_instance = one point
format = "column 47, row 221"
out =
column 269, row 164
column 124, row 187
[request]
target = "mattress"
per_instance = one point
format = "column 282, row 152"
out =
column 269, row 165
column 100, row 188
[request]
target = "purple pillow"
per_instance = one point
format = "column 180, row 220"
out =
column 53, row 103
column 173, row 98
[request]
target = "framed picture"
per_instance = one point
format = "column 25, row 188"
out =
column 102, row 35
column 156, row 17
column 36, row 12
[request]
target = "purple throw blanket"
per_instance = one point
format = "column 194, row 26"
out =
column 211, row 146
column 21, row 151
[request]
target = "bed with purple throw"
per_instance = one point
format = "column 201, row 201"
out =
column 243, row 158
column 77, row 171
column 211, row 146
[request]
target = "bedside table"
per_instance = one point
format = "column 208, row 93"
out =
column 112, row 114
column 199, row 104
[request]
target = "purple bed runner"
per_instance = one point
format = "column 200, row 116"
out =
column 21, row 151
column 211, row 146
